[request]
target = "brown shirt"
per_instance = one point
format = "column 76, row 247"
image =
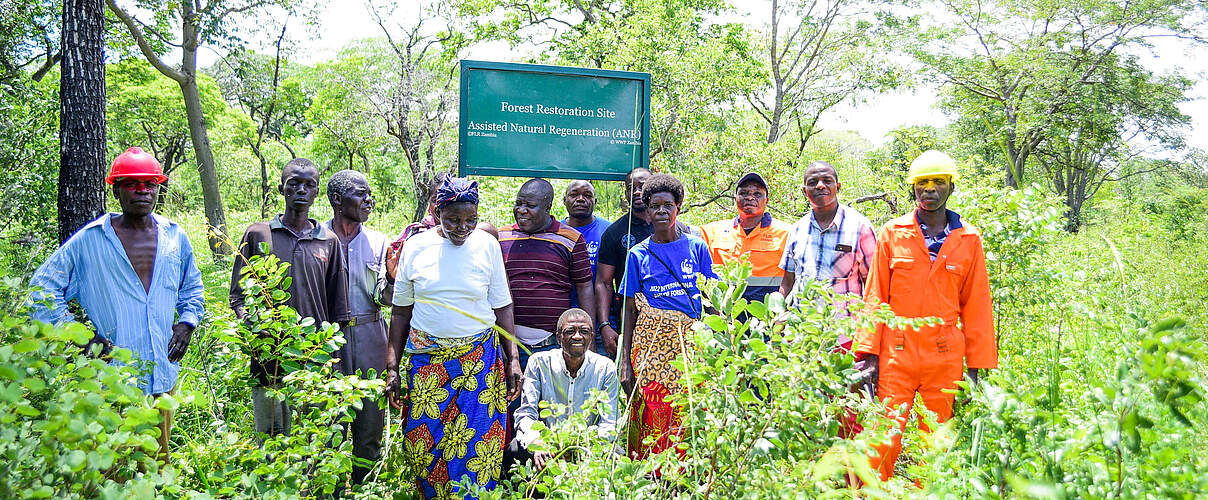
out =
column 318, row 272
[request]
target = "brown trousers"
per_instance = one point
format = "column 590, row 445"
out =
column 165, row 429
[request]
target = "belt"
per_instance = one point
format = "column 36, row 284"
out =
column 550, row 340
column 364, row 319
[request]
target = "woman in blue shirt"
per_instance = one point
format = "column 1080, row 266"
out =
column 662, row 301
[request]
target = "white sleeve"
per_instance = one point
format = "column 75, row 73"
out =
column 498, row 294
column 404, row 287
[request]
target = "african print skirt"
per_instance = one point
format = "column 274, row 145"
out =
column 454, row 424
column 659, row 336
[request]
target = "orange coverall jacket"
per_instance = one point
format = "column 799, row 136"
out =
column 931, row 359
column 954, row 287
column 763, row 246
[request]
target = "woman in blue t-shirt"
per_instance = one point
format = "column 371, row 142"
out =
column 662, row 301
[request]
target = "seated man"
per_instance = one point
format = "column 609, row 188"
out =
column 565, row 376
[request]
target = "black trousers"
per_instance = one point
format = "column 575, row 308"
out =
column 515, row 454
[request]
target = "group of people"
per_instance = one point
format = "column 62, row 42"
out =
column 488, row 326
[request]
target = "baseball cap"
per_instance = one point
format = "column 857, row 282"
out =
column 751, row 176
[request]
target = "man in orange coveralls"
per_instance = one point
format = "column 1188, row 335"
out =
column 928, row 263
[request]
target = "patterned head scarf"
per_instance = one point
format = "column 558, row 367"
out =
column 456, row 190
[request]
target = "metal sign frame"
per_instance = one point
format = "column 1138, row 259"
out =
column 642, row 152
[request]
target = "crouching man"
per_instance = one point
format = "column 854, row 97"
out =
column 566, row 376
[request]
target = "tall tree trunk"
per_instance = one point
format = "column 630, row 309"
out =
column 217, row 235
column 186, row 76
column 421, row 201
column 82, row 116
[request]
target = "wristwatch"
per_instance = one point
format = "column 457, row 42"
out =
column 601, row 326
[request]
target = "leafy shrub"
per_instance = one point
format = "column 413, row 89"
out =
column 1018, row 226
column 315, row 459
column 73, row 426
column 766, row 394
column 1124, row 436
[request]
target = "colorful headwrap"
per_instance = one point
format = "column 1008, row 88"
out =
column 456, row 190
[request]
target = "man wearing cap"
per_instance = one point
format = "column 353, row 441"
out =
column 318, row 278
column 134, row 275
column 929, row 263
column 754, row 234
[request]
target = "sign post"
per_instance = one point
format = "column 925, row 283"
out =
column 529, row 120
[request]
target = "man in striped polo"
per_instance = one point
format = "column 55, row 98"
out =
column 545, row 260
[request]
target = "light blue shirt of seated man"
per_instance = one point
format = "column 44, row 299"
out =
column 568, row 376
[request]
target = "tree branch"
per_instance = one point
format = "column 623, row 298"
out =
column 143, row 45
column 46, row 66
column 891, row 200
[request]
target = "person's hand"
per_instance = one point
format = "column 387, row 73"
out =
column 513, row 374
column 610, row 337
column 540, row 458
column 966, row 395
column 392, row 254
column 394, row 388
column 179, row 344
column 868, row 367
column 103, row 347
column 625, row 375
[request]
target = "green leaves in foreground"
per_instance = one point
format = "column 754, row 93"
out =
column 72, row 426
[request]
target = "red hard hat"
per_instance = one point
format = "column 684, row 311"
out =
column 136, row 163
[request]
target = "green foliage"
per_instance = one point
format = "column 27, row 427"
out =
column 73, row 426
column 1122, row 436
column 29, row 155
column 315, row 458
column 1018, row 227
column 27, row 37
column 1182, row 214
column 1030, row 71
column 765, row 394
column 143, row 108
column 272, row 330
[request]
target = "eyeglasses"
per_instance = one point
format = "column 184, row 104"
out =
column 756, row 194
column 581, row 331
column 137, row 183
column 938, row 181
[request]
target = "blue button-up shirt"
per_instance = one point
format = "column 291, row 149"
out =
column 92, row 267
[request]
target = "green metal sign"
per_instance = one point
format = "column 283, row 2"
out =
column 529, row 120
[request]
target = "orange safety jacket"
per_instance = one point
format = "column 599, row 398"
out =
column 954, row 287
column 763, row 246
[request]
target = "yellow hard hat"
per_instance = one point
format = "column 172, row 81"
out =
column 932, row 163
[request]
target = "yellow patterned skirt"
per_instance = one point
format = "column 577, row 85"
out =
column 659, row 336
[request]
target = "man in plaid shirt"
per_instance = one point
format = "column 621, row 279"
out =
column 834, row 243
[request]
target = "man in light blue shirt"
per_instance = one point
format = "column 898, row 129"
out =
column 565, row 379
column 134, row 275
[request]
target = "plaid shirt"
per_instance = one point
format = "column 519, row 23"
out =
column 841, row 254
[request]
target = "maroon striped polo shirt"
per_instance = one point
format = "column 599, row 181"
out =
column 543, row 268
